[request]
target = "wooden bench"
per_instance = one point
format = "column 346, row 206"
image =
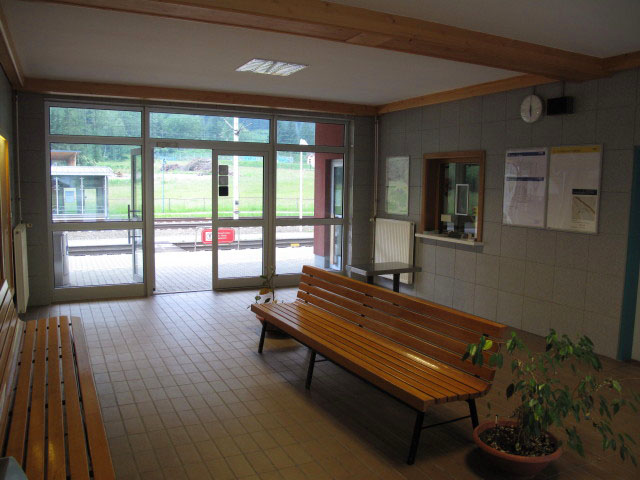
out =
column 50, row 418
column 407, row 347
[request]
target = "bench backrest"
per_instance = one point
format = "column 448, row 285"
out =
column 10, row 336
column 428, row 328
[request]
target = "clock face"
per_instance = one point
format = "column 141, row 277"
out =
column 531, row 108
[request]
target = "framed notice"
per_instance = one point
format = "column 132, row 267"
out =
column 525, row 187
column 574, row 188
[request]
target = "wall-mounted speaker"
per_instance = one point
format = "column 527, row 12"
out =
column 560, row 106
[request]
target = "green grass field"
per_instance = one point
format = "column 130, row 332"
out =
column 188, row 194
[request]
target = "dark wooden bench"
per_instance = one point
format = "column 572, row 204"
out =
column 407, row 347
column 50, row 418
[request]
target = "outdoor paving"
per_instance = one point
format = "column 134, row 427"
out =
column 179, row 270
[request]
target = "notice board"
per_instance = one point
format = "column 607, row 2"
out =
column 574, row 188
column 525, row 187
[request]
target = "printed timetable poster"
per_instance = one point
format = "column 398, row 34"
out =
column 525, row 187
column 574, row 188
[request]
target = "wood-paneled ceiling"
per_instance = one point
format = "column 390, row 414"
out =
column 360, row 61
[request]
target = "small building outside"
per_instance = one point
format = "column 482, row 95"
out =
column 78, row 192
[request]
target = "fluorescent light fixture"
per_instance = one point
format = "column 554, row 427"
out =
column 271, row 67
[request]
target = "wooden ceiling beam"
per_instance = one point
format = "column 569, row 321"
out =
column 487, row 88
column 141, row 92
column 342, row 23
column 8, row 57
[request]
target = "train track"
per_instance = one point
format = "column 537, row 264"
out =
column 186, row 246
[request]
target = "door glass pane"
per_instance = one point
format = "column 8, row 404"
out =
column 92, row 182
column 240, row 184
column 94, row 122
column 182, row 219
column 96, row 257
column 136, row 184
column 209, row 127
column 319, row 245
column 310, row 133
column 240, row 252
column 309, row 185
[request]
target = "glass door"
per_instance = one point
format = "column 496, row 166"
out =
column 182, row 218
column 241, row 235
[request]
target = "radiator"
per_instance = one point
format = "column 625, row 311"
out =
column 22, row 268
column 394, row 243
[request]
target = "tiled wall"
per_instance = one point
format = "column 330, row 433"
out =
column 361, row 195
column 528, row 278
column 33, row 171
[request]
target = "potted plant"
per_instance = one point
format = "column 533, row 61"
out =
column 267, row 294
column 524, row 444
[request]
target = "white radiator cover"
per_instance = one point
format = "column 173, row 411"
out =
column 22, row 267
column 394, row 243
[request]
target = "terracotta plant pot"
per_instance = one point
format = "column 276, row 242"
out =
column 516, row 465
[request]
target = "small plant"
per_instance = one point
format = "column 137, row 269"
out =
column 545, row 401
column 267, row 292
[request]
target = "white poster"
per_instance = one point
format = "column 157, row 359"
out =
column 525, row 183
column 574, row 188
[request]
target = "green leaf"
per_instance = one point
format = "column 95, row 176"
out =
column 488, row 344
column 616, row 385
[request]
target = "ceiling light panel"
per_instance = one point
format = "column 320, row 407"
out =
column 271, row 67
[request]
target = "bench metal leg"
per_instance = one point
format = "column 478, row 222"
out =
column 312, row 362
column 262, row 334
column 473, row 411
column 415, row 439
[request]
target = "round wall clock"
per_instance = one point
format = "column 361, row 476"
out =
column 531, row 108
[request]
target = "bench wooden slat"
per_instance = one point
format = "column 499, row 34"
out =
column 78, row 464
column 413, row 397
column 98, row 445
column 10, row 346
column 56, row 463
column 471, row 322
column 400, row 373
column 429, row 324
column 35, row 440
column 401, row 325
column 18, row 430
column 435, row 371
column 335, row 304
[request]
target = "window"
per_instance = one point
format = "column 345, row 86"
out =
column 97, row 257
column 94, row 122
column 453, row 186
column 209, row 127
column 91, row 182
column 309, row 184
column 310, row 133
column 397, row 185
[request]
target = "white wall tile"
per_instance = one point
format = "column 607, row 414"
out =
column 511, row 275
column 538, row 282
column 569, row 287
column 485, row 303
column 536, row 316
column 510, row 309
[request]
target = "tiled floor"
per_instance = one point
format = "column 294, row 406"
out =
column 184, row 394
